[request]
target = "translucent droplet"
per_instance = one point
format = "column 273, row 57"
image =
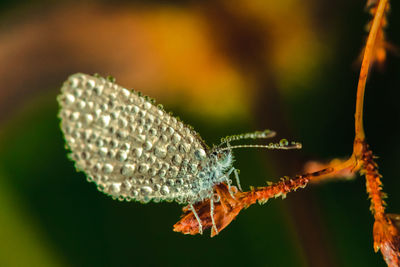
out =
column 137, row 152
column 152, row 172
column 105, row 120
column 125, row 146
column 147, row 105
column 104, row 107
column 160, row 152
column 115, row 188
column 114, row 115
column 88, row 118
column 98, row 89
column 153, row 131
column 108, row 168
column 176, row 160
column 122, row 155
column 125, row 92
column 69, row 99
column 183, row 148
column 176, row 138
column 120, row 134
column 113, row 143
column 81, row 104
column 128, row 169
column 90, row 84
column 122, row 122
column 143, row 168
column 147, row 145
column 146, row 190
column 74, row 82
column 283, row 142
column 200, row 154
column 75, row 116
column 164, row 190
column 169, row 131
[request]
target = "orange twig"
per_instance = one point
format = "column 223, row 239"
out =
column 386, row 235
column 365, row 65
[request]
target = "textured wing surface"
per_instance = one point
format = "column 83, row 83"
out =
column 125, row 144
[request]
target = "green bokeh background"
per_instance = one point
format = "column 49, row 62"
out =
column 49, row 215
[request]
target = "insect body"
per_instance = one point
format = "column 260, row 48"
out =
column 133, row 150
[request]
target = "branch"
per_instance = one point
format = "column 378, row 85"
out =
column 386, row 232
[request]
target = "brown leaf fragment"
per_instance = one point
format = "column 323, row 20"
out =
column 387, row 240
column 225, row 211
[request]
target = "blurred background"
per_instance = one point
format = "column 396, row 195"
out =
column 224, row 67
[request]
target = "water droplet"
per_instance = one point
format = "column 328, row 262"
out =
column 115, row 188
column 73, row 82
column 176, row 138
column 90, row 84
column 152, row 172
column 183, row 148
column 108, row 168
column 137, row 152
column 114, row 115
column 127, row 169
column 125, row 146
column 164, row 190
column 153, row 131
column 147, row 105
column 143, row 168
column 146, row 190
column 69, row 99
column 169, row 131
column 113, row 143
column 98, row 89
column 283, row 142
column 78, row 93
column 81, row 104
column 160, row 152
column 176, row 159
column 200, row 154
column 88, row 118
column 125, row 186
column 105, row 120
column 104, row 107
column 120, row 134
column 122, row 156
column 97, row 167
column 122, row 122
column 75, row 116
column 125, row 92
column 85, row 155
column 147, row 145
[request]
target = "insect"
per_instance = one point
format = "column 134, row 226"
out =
column 134, row 150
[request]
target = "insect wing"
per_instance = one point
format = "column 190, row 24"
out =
column 125, row 144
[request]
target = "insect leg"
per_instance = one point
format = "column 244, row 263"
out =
column 228, row 181
column 237, row 179
column 212, row 215
column 197, row 218
column 235, row 172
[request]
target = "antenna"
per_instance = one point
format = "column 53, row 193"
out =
column 252, row 135
column 283, row 145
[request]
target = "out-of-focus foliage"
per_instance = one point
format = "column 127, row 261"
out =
column 224, row 68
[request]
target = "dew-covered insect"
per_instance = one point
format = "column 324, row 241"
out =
column 134, row 150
